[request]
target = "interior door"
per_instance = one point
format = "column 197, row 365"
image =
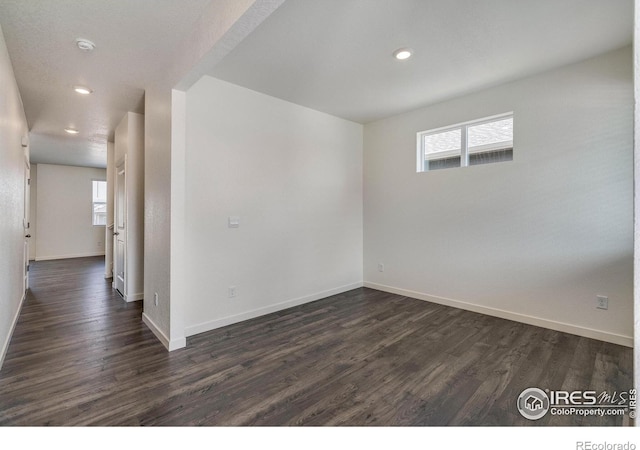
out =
column 25, row 221
column 120, row 233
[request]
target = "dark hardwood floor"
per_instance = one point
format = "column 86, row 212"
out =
column 80, row 355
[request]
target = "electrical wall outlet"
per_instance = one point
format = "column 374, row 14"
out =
column 602, row 302
column 234, row 222
column 380, row 267
column 233, row 292
column 155, row 298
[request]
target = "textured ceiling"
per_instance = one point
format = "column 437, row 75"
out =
column 330, row 55
column 135, row 41
column 336, row 55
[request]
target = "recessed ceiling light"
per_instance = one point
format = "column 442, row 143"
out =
column 71, row 130
column 82, row 90
column 85, row 44
column 403, row 53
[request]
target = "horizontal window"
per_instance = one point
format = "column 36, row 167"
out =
column 482, row 141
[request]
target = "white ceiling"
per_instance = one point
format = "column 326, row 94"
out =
column 135, row 40
column 336, row 55
column 330, row 55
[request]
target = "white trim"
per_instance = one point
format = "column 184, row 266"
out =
column 464, row 146
column 79, row 255
column 218, row 323
column 619, row 339
column 5, row 346
column 419, row 154
column 169, row 345
column 133, row 297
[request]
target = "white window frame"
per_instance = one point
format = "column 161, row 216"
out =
column 464, row 144
column 98, row 203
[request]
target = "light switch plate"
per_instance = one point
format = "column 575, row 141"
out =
column 234, row 222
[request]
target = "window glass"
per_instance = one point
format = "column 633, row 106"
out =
column 491, row 135
column 473, row 143
column 99, row 203
column 442, row 150
column 445, row 142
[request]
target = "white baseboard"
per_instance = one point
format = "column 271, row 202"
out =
column 77, row 255
column 134, row 297
column 218, row 323
column 503, row 314
column 170, row 345
column 5, row 346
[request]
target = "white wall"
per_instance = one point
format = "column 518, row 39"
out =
column 64, row 226
column 33, row 215
column 221, row 26
column 13, row 126
column 294, row 177
column 157, row 211
column 535, row 239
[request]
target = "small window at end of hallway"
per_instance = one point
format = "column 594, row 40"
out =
column 482, row 141
column 99, row 206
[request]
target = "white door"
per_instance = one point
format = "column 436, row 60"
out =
column 119, row 232
column 25, row 220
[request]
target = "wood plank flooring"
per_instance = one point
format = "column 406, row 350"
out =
column 80, row 355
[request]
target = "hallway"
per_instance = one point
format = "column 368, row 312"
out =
column 75, row 341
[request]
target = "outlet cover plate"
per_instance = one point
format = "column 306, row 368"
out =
column 602, row 302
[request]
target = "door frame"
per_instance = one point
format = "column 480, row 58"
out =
column 120, row 167
column 26, row 220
